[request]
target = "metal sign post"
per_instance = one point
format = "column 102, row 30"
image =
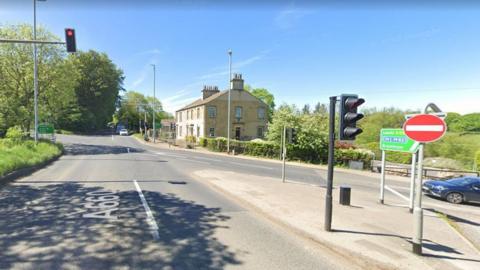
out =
column 382, row 179
column 412, row 181
column 423, row 128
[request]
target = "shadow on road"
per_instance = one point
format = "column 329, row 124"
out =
column 44, row 228
column 89, row 149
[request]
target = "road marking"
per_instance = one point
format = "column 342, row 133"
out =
column 397, row 193
column 191, row 160
column 204, row 158
column 128, row 150
column 250, row 165
column 112, row 137
column 150, row 219
column 424, row 128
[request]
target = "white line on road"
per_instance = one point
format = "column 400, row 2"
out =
column 397, row 193
column 424, row 128
column 150, row 219
column 191, row 160
column 250, row 165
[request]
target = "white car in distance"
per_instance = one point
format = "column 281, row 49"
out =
column 123, row 132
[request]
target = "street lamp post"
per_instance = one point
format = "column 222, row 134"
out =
column 154, row 105
column 229, row 98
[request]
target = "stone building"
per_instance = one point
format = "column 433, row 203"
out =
column 207, row 116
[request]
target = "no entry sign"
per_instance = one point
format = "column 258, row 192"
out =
column 425, row 128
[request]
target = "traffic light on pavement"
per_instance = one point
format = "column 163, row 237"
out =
column 292, row 135
column 348, row 116
column 70, row 40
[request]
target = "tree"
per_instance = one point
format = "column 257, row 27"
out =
column 306, row 109
column 320, row 108
column 55, row 81
column 264, row 95
column 97, row 90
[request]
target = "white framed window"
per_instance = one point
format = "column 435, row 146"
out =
column 212, row 111
column 238, row 112
column 198, row 113
column 211, row 132
column 180, row 131
column 261, row 113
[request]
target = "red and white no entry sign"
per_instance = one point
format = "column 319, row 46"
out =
column 425, row 128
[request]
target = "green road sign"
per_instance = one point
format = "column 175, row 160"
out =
column 394, row 139
column 158, row 125
column 45, row 129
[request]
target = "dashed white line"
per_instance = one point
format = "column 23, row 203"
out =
column 150, row 219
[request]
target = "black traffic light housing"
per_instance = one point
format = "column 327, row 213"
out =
column 70, row 40
column 292, row 135
column 348, row 116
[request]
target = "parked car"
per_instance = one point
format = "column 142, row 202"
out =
column 457, row 190
column 123, row 132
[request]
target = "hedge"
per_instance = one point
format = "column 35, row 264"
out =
column 294, row 152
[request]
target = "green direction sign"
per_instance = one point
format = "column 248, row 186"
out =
column 45, row 129
column 394, row 139
column 158, row 125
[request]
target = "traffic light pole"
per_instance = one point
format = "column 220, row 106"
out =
column 331, row 160
column 284, row 152
column 35, row 71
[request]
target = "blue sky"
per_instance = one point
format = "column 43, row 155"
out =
column 392, row 56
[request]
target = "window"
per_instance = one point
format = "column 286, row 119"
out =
column 198, row 131
column 198, row 113
column 261, row 113
column 238, row 112
column 211, row 132
column 259, row 132
column 180, row 131
column 212, row 112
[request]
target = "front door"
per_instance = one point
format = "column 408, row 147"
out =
column 237, row 133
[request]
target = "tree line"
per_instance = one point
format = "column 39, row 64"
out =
column 77, row 92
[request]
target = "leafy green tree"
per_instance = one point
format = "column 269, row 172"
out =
column 55, row 79
column 306, row 109
column 264, row 95
column 97, row 90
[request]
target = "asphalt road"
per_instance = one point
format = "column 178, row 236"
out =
column 113, row 203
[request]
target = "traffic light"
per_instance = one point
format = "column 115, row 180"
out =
column 70, row 40
column 292, row 135
column 349, row 116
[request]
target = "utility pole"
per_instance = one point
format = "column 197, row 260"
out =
column 229, row 98
column 154, row 105
column 331, row 160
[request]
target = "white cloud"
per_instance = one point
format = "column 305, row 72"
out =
column 288, row 18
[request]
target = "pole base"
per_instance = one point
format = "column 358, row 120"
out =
column 417, row 248
column 410, row 210
column 380, row 201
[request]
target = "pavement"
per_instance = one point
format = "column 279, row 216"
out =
column 113, row 203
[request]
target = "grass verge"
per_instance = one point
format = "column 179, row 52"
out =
column 15, row 155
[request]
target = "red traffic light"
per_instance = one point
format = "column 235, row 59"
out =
column 70, row 40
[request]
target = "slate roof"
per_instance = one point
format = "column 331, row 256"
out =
column 201, row 101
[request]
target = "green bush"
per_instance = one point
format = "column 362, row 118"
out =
column 15, row 134
column 191, row 139
column 477, row 160
column 202, row 142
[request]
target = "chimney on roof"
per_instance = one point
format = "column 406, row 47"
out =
column 237, row 82
column 209, row 90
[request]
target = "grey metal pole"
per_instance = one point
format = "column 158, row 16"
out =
column 35, row 71
column 412, row 182
column 417, row 210
column 284, row 152
column 331, row 160
column 145, row 123
column 154, row 105
column 229, row 99
column 382, row 179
